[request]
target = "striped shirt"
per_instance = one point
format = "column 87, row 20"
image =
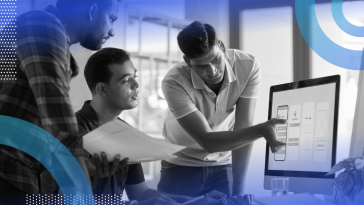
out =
column 44, row 67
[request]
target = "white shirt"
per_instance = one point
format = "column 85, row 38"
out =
column 186, row 92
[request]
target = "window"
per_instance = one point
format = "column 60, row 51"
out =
column 151, row 41
column 268, row 35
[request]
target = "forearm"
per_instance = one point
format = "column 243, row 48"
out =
column 240, row 163
column 240, row 157
column 231, row 140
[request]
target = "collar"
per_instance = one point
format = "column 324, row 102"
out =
column 198, row 83
column 197, row 80
column 91, row 114
column 229, row 73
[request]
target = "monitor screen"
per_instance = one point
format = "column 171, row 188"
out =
column 311, row 109
column 309, row 129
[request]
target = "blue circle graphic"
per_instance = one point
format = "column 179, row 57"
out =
column 342, row 22
column 325, row 48
column 49, row 151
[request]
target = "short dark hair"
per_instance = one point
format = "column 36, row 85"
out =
column 97, row 67
column 197, row 39
column 67, row 4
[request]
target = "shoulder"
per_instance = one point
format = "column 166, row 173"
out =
column 179, row 72
column 178, row 77
column 244, row 65
column 239, row 55
column 240, row 60
column 41, row 17
column 45, row 26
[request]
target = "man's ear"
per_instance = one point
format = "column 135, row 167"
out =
column 187, row 60
column 222, row 46
column 92, row 12
column 100, row 89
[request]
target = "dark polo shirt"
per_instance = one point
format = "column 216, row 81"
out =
column 128, row 175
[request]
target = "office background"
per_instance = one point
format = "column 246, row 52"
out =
column 264, row 28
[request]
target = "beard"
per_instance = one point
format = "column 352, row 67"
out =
column 92, row 42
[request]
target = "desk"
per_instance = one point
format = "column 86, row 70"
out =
column 296, row 199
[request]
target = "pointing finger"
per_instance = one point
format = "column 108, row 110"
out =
column 277, row 121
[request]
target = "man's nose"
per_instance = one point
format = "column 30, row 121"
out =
column 211, row 70
column 135, row 84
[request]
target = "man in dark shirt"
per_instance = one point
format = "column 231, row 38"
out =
column 39, row 92
column 111, row 77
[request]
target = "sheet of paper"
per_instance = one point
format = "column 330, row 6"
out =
column 117, row 137
column 162, row 145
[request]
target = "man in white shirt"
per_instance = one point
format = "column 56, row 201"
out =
column 212, row 97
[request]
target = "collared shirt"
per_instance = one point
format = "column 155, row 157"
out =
column 39, row 95
column 128, row 175
column 186, row 92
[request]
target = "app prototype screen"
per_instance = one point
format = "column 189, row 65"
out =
column 282, row 113
column 309, row 129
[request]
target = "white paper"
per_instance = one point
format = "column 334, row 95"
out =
column 116, row 137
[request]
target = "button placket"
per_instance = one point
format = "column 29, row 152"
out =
column 218, row 105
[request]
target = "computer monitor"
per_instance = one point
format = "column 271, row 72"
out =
column 311, row 109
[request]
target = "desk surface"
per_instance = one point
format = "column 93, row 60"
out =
column 296, row 199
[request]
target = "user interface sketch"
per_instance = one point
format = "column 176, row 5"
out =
column 309, row 129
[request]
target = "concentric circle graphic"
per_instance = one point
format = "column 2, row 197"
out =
column 342, row 22
column 326, row 48
column 49, row 151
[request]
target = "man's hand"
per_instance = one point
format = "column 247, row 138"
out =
column 216, row 195
column 241, row 200
column 268, row 131
column 103, row 168
column 157, row 200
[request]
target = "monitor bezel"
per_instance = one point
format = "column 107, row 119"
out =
column 298, row 85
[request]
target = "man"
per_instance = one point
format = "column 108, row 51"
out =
column 39, row 94
column 111, row 77
column 212, row 97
